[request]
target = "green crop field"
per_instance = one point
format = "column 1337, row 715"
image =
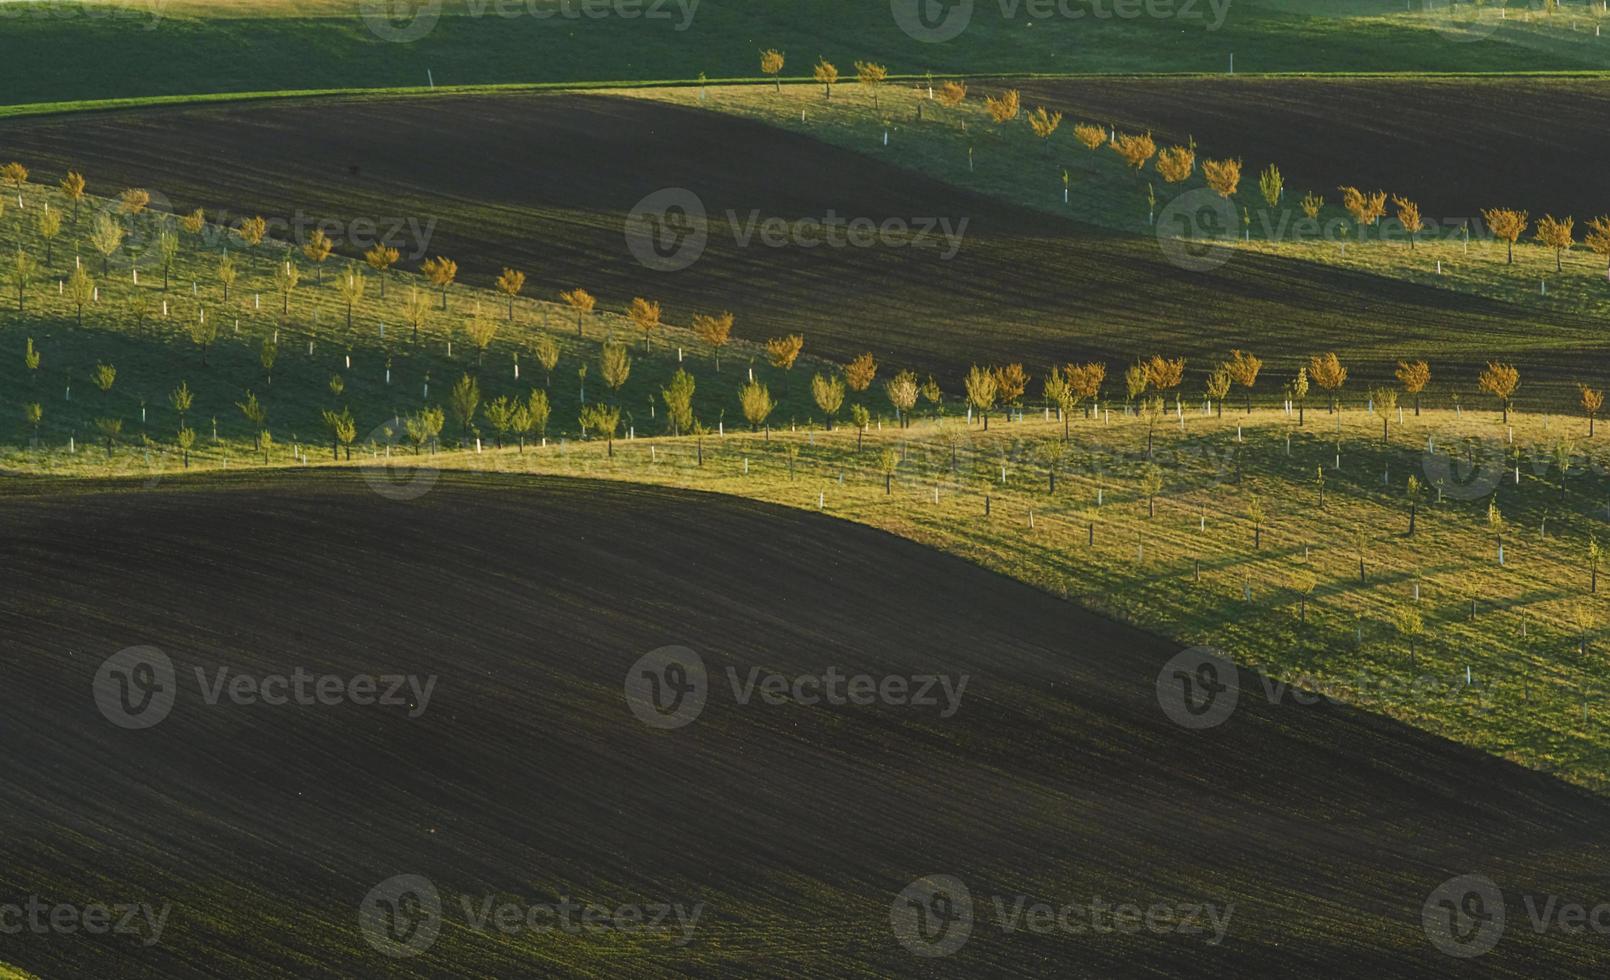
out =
column 150, row 48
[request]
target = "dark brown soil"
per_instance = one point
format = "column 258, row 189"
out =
column 527, row 776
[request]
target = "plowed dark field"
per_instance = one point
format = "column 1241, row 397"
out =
column 526, row 777
column 544, row 183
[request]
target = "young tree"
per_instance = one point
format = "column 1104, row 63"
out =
column 1243, row 369
column 1135, row 380
column 714, row 330
column 286, row 277
column 1414, row 376
column 538, row 406
column 1085, row 381
column 1412, row 491
column 185, row 439
column 1151, row 409
column 317, row 248
column 1089, row 134
column 1011, row 381
column 1223, row 176
column 1500, row 380
column 1271, row 185
column 952, row 94
column 72, row 188
column 902, row 392
column 16, row 175
column 858, row 374
column 1151, row 484
column 252, row 231
column 481, row 331
column 678, row 397
column 1135, row 150
column 106, row 235
column 888, row 462
column 351, row 288
column 423, row 427
column 645, row 316
column 1218, row 386
column 1598, row 239
column 1495, row 524
column 1508, row 226
column 109, row 429
column 182, row 399
column 192, row 223
column 829, row 396
column 1556, row 233
column 981, row 391
column 49, row 223
column 24, row 268
column 499, row 414
column 202, row 333
column 581, row 301
column 826, row 76
column 167, row 246
column 1005, row 107
column 1386, row 402
column 771, row 63
column 1592, row 402
column 1303, row 582
column 227, row 272
column 81, row 291
column 440, row 272
column 1164, row 374
column 603, row 419
column 343, row 431
column 266, row 356
column 105, row 376
column 783, row 352
column 757, row 405
column 615, row 365
column 871, row 76
column 1328, row 372
column 256, row 415
column 463, row 401
column 860, row 418
column 1410, row 625
column 509, row 283
column 381, row 258
column 1044, row 124
column 133, row 201
column 1176, row 163
column 547, row 352
column 1256, row 515
column 1056, row 390
column 416, row 312
column 1311, row 205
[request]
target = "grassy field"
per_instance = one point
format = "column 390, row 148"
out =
column 147, row 48
column 525, row 777
column 1025, row 284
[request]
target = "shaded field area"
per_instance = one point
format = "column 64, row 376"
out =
column 1455, row 145
column 527, row 777
column 66, row 51
column 545, row 183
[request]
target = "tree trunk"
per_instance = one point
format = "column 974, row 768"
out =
column 1412, row 509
